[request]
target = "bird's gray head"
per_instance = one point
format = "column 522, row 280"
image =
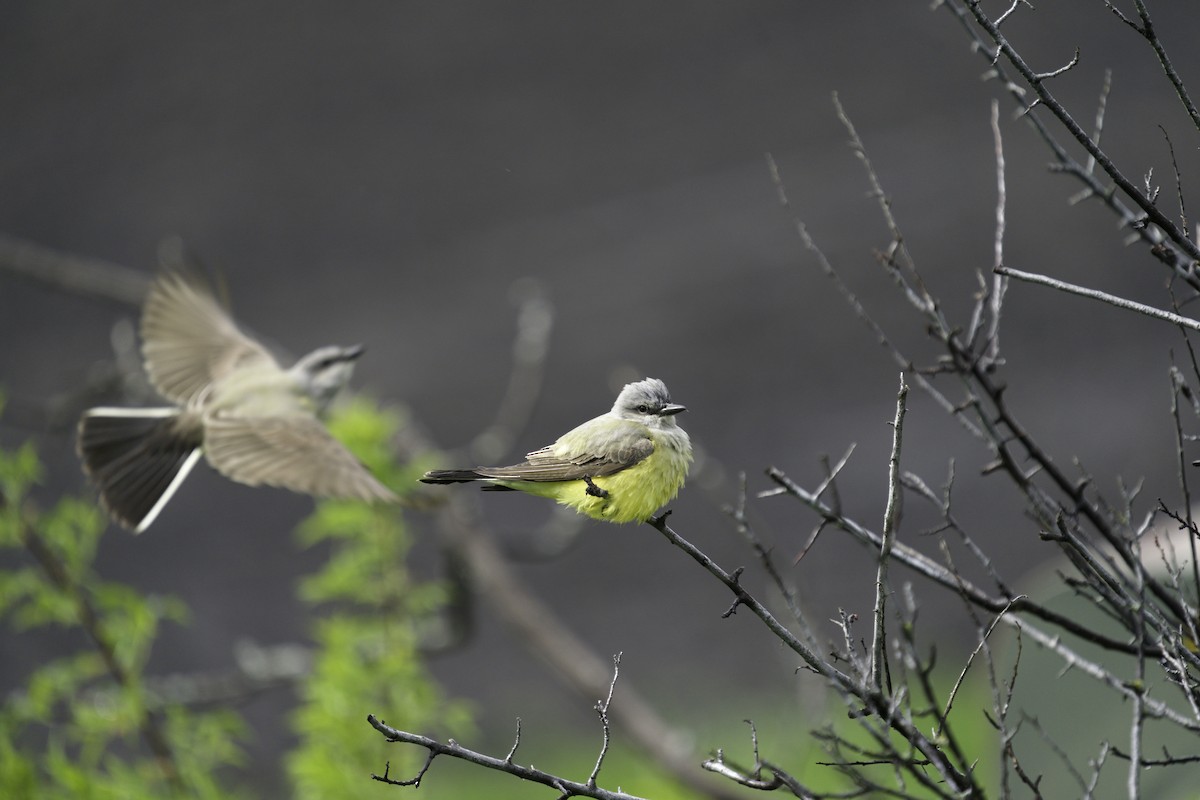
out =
column 647, row 401
column 326, row 370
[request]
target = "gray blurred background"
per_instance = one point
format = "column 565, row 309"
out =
column 398, row 173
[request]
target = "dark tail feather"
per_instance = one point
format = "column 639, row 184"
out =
column 451, row 476
column 137, row 458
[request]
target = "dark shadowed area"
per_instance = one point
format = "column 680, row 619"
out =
column 402, row 174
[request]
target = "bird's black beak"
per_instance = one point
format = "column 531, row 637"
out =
column 352, row 353
column 671, row 409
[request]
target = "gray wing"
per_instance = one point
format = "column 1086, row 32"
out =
column 293, row 452
column 544, row 465
column 188, row 339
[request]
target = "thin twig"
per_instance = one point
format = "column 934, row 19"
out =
column 747, row 532
column 512, row 752
column 541, row 631
column 455, row 750
column 1180, row 254
column 1154, row 708
column 1097, row 765
column 983, row 639
column 1146, row 29
column 1095, row 294
column 891, row 519
column 860, row 311
column 1000, row 284
column 1178, row 386
column 1183, row 220
column 602, row 712
column 874, row 701
column 1037, row 81
column 535, row 324
column 1101, row 108
column 934, row 571
column 1138, row 706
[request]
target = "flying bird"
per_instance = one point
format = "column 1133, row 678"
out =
column 621, row 466
column 255, row 422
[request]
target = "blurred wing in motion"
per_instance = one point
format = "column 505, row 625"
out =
column 294, row 452
column 137, row 458
column 189, row 340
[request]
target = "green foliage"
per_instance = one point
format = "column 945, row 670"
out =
column 60, row 735
column 367, row 643
column 90, row 725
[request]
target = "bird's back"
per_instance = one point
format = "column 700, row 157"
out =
column 605, row 437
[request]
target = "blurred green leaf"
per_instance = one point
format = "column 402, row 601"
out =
column 19, row 470
column 368, row 658
column 73, row 731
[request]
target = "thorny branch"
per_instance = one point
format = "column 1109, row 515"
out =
column 987, row 415
column 1147, row 31
column 544, row 634
column 602, row 712
column 1167, row 241
column 880, row 675
column 1155, row 618
column 566, row 788
column 753, row 778
column 1104, row 297
column 941, row 575
column 878, row 703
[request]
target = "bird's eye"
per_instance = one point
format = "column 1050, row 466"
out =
column 643, row 409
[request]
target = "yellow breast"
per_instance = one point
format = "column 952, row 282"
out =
column 634, row 494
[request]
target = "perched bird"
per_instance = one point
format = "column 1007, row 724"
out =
column 619, row 467
column 255, row 422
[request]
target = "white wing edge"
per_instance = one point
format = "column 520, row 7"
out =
column 145, row 413
column 170, row 491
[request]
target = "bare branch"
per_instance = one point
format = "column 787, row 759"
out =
column 85, row 276
column 602, row 712
column 1003, row 17
column 1095, row 294
column 1167, row 243
column 1154, row 708
column 535, row 323
column 983, row 639
column 1138, row 706
column 753, row 778
column 860, row 311
column 1097, row 764
column 1042, row 76
column 453, row 749
column 874, row 701
column 939, row 574
column 1146, row 29
column 891, row 519
column 1038, row 83
column 1183, row 220
column 1178, row 387
column 1000, row 285
column 544, row 634
column 512, row 752
column 748, row 533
